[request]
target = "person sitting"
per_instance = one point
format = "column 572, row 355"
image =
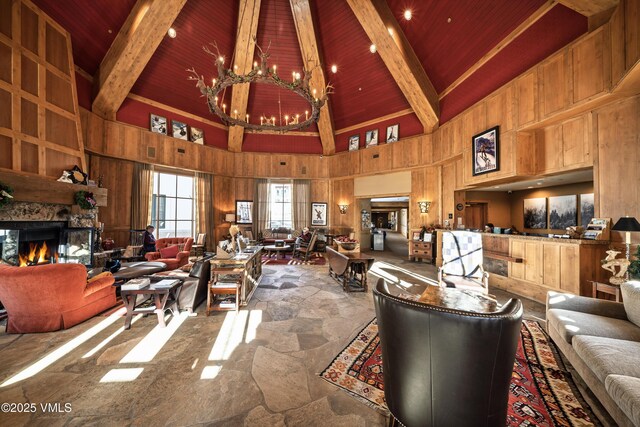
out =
column 488, row 228
column 305, row 237
column 149, row 242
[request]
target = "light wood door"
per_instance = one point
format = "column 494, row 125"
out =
column 475, row 215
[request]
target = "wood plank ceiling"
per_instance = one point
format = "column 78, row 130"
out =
column 456, row 45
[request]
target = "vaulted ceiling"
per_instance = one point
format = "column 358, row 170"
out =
column 466, row 49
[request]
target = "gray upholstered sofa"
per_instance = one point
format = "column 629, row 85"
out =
column 601, row 340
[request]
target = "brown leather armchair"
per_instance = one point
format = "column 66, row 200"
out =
column 50, row 297
column 180, row 259
column 445, row 367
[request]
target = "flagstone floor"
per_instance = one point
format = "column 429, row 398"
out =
column 255, row 368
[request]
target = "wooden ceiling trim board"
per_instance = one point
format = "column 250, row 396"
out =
column 243, row 59
column 130, row 52
column 374, row 121
column 532, row 19
column 378, row 22
column 175, row 110
column 589, row 7
column 308, row 41
column 83, row 73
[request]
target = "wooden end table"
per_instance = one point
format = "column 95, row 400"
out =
column 161, row 297
column 606, row 288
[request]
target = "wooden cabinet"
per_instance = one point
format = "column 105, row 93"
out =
column 565, row 146
column 422, row 250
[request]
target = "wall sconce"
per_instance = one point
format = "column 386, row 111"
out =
column 424, row 206
column 343, row 208
column 230, row 217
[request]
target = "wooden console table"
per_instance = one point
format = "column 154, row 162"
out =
column 345, row 268
column 251, row 262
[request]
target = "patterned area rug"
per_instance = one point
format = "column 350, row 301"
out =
column 314, row 259
column 542, row 392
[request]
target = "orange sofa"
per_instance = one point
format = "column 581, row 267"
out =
column 180, row 259
column 51, row 297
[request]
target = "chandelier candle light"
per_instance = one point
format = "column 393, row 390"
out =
column 261, row 73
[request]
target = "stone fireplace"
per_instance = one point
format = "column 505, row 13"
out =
column 33, row 233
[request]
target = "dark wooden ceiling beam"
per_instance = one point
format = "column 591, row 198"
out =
column 381, row 26
column 309, row 48
column 130, row 52
column 243, row 58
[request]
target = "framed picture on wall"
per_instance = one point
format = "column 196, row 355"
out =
column 244, row 211
column 415, row 235
column 535, row 213
column 392, row 133
column 354, row 142
column 318, row 214
column 587, row 209
column 371, row 138
column 158, row 124
column 197, row 136
column 563, row 212
column 486, row 146
column 179, row 129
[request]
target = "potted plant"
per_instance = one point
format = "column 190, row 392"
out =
column 634, row 267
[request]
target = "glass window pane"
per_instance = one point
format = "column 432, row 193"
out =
column 185, row 186
column 167, row 184
column 170, row 211
column 184, row 228
column 185, row 209
column 168, row 230
column 156, row 182
column 286, row 191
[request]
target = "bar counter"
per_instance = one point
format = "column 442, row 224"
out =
column 532, row 265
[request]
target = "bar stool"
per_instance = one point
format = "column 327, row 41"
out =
column 224, row 281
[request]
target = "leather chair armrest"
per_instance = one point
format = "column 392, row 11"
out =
column 150, row 256
column 98, row 284
column 586, row 305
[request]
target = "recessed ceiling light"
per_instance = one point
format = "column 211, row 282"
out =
column 448, row 20
column 407, row 14
column 373, row 48
column 172, row 33
column 334, row 68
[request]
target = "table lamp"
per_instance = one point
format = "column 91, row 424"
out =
column 627, row 224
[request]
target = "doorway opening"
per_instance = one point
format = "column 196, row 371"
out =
column 384, row 224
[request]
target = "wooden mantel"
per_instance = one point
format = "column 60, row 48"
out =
column 35, row 188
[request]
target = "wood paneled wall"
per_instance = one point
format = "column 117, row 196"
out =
column 39, row 122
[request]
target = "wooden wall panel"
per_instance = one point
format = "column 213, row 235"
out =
column 426, row 185
column 554, row 87
column 591, row 66
column 549, row 149
column 500, row 110
column 342, row 190
column 223, row 202
column 618, row 56
column 376, row 159
column 321, row 193
column 526, row 87
column 448, row 189
column 406, row 153
column 43, row 111
column 632, row 32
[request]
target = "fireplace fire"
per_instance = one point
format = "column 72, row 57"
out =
column 39, row 253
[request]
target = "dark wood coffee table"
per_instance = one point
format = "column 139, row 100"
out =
column 346, row 267
column 161, row 297
column 277, row 250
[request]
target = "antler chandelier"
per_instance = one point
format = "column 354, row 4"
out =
column 261, row 73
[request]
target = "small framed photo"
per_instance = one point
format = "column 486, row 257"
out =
column 354, row 143
column 179, row 129
column 415, row 235
column 318, row 214
column 244, row 211
column 197, row 136
column 427, row 237
column 392, row 133
column 486, row 147
column 371, row 138
column 158, row 124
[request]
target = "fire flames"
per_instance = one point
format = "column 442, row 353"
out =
column 38, row 254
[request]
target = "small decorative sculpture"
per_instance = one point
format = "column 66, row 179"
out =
column 233, row 231
column 66, row 177
column 611, row 262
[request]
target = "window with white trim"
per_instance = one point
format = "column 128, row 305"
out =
column 172, row 207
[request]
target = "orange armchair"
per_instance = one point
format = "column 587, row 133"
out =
column 51, row 297
column 180, row 259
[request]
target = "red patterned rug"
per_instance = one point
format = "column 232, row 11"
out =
column 314, row 259
column 542, row 392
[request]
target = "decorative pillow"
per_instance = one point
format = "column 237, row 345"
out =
column 631, row 300
column 100, row 276
column 267, row 234
column 169, row 251
column 296, row 233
